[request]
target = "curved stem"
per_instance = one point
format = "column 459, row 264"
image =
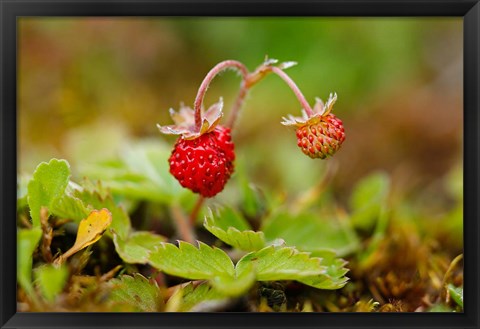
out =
column 294, row 88
column 197, row 105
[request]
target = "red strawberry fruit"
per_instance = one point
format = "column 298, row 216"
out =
column 321, row 134
column 204, row 164
column 202, row 158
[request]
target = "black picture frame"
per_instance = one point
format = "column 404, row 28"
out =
column 11, row 10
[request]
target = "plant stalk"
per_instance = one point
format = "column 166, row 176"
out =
column 197, row 105
column 294, row 88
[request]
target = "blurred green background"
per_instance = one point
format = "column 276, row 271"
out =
column 88, row 85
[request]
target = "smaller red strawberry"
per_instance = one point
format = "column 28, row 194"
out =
column 321, row 134
column 202, row 160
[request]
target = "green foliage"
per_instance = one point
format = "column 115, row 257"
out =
column 51, row 280
column 225, row 217
column 333, row 278
column 70, row 207
column 27, row 241
column 48, row 183
column 193, row 296
column 367, row 200
column 140, row 172
column 230, row 227
column 50, row 187
column 137, row 247
column 456, row 293
column 137, row 291
column 369, row 210
column 268, row 264
column 192, row 263
column 308, row 232
column 285, row 263
column 236, row 284
column 252, row 202
column 377, row 237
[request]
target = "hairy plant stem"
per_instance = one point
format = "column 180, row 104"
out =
column 197, row 105
column 292, row 86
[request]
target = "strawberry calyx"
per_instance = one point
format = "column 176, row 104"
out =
column 320, row 110
column 185, row 121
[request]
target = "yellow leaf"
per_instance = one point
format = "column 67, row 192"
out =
column 90, row 230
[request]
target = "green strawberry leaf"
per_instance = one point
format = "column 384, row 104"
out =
column 27, row 241
column 334, row 278
column 235, row 285
column 228, row 217
column 226, row 228
column 367, row 199
column 137, row 291
column 50, row 187
column 307, row 232
column 51, row 280
column 268, row 264
column 192, row 263
column 47, row 184
column 203, row 263
column 69, row 207
column 137, row 247
column 456, row 293
column 284, row 263
column 194, row 296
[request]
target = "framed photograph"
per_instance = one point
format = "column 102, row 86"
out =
column 187, row 164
